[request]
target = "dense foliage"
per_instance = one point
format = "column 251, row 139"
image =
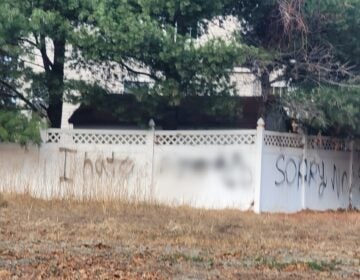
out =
column 16, row 127
column 316, row 51
column 313, row 46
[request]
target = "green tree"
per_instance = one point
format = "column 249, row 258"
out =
column 45, row 27
column 315, row 45
column 156, row 35
column 14, row 125
column 160, row 36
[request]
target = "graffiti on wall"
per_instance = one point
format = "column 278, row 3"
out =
column 294, row 171
column 105, row 166
column 67, row 171
column 232, row 169
column 91, row 168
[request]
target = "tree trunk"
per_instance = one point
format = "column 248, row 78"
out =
column 54, row 112
column 265, row 91
column 55, row 83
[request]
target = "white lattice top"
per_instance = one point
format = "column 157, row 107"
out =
column 96, row 137
column 327, row 143
column 52, row 136
column 116, row 139
column 205, row 138
column 283, row 140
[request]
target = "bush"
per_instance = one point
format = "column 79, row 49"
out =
column 17, row 128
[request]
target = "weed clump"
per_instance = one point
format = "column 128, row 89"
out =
column 3, row 202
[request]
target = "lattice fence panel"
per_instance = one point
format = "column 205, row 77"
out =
column 81, row 137
column 53, row 137
column 109, row 139
column 328, row 144
column 204, row 139
column 288, row 141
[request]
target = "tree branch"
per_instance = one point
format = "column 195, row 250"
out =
column 20, row 96
column 29, row 42
column 47, row 63
column 131, row 70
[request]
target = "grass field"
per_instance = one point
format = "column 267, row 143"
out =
column 118, row 240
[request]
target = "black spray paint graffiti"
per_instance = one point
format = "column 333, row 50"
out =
column 100, row 167
column 67, row 176
column 108, row 166
column 296, row 171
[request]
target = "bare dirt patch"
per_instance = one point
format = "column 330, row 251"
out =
column 68, row 240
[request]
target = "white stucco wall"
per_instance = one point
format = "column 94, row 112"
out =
column 93, row 172
column 210, row 175
column 205, row 169
column 281, row 190
column 19, row 167
column 305, row 177
column 328, row 182
column 243, row 169
column 355, row 175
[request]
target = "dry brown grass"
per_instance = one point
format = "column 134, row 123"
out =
column 70, row 240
